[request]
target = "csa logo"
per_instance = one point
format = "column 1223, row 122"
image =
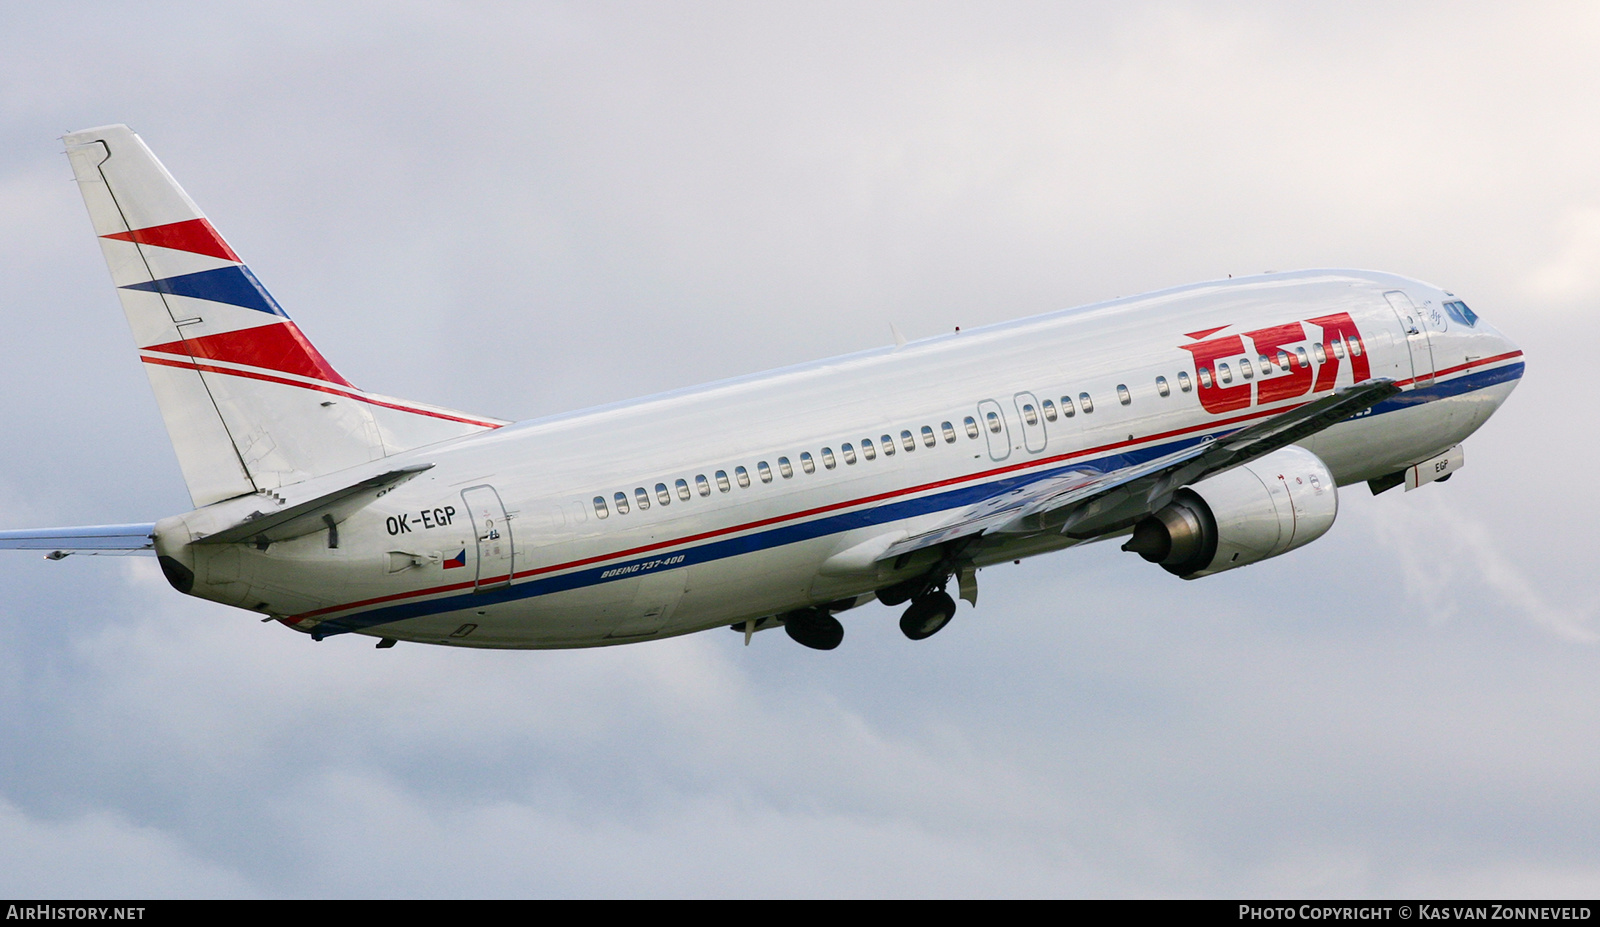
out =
column 1279, row 345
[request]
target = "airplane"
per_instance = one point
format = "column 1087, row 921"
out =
column 1209, row 426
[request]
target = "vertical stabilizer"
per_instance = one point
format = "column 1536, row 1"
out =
column 249, row 403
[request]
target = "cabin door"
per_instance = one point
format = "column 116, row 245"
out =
column 493, row 532
column 1416, row 332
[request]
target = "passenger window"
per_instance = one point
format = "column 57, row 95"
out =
column 867, row 450
column 722, row 480
column 1224, row 374
column 972, row 427
column 1355, row 347
column 993, row 418
column 827, row 458
column 1266, row 365
column 600, row 509
column 743, row 476
column 1162, row 387
column 888, row 445
column 1049, row 410
column 1029, row 414
column 1183, row 381
column 1123, row 396
column 784, row 468
column 702, row 485
column 806, row 463
column 621, row 499
column 949, row 432
column 907, row 441
column 1205, row 378
column 1316, row 351
column 1283, row 360
column 683, row 490
column 641, row 497
column 1245, row 368
column 1086, row 402
column 1338, row 349
column 662, row 496
column 928, row 440
column 765, row 471
column 849, row 452
column 1067, row 408
column 1304, row 360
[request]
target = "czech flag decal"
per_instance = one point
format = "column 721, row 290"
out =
column 459, row 560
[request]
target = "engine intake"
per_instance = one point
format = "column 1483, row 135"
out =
column 1259, row 510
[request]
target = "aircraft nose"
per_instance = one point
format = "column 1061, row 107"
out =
column 1506, row 343
column 1490, row 340
column 1505, row 347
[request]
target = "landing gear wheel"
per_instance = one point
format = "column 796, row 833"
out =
column 815, row 629
column 928, row 615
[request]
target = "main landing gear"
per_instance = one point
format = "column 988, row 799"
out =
column 819, row 630
column 930, row 610
column 928, row 615
column 814, row 628
column 931, row 607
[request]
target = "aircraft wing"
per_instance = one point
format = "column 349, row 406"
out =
column 90, row 539
column 1086, row 503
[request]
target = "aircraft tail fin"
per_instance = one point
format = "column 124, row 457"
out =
column 249, row 402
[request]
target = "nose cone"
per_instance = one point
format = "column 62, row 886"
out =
column 1504, row 351
column 1487, row 352
column 1497, row 343
column 1485, row 371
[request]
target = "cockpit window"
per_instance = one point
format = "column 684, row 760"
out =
column 1458, row 310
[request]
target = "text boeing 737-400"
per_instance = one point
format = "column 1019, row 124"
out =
column 1211, row 425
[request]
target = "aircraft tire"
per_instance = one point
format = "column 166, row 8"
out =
column 814, row 629
column 928, row 615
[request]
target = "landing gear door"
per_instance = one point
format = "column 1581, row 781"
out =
column 493, row 533
column 992, row 419
column 1416, row 332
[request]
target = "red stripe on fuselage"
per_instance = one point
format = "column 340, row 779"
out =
column 1482, row 361
column 193, row 235
column 833, row 507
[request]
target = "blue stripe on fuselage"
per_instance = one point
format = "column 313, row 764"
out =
column 847, row 521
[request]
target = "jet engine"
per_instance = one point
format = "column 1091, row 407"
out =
column 1257, row 510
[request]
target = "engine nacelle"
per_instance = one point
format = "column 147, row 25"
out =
column 1258, row 510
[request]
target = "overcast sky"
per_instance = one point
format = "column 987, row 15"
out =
column 522, row 209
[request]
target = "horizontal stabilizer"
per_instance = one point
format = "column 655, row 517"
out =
column 86, row 539
column 315, row 514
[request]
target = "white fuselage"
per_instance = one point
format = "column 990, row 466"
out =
column 743, row 516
